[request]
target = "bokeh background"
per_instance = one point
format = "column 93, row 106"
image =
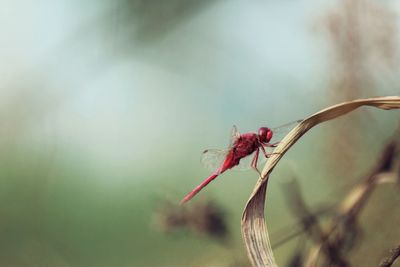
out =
column 105, row 107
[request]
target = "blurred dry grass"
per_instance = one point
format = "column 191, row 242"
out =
column 254, row 229
column 362, row 36
column 204, row 217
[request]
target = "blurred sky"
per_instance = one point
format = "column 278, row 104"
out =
column 125, row 100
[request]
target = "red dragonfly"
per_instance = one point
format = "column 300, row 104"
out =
column 241, row 147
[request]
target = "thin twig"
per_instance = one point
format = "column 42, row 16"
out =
column 391, row 257
column 353, row 203
column 312, row 226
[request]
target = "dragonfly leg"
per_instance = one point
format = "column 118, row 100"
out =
column 271, row 145
column 266, row 154
column 275, row 144
column 255, row 160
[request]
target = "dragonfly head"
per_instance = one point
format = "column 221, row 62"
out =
column 264, row 134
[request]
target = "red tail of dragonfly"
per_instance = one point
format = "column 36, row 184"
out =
column 241, row 146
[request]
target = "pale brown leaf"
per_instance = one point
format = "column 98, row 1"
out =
column 254, row 229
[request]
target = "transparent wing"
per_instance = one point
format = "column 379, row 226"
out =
column 278, row 133
column 245, row 163
column 234, row 135
column 213, row 158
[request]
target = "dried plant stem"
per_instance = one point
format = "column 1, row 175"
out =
column 254, row 230
column 391, row 257
column 311, row 260
column 312, row 226
column 355, row 200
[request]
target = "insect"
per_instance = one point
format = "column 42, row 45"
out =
column 241, row 147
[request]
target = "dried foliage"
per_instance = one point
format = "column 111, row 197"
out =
column 362, row 37
column 311, row 224
column 254, row 230
column 342, row 233
column 391, row 258
column 204, row 217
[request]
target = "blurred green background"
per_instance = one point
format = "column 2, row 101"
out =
column 105, row 107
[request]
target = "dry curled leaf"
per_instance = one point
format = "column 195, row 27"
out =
column 254, row 230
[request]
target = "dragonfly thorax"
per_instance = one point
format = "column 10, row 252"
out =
column 264, row 134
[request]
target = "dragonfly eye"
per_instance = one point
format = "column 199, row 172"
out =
column 264, row 134
column 269, row 135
